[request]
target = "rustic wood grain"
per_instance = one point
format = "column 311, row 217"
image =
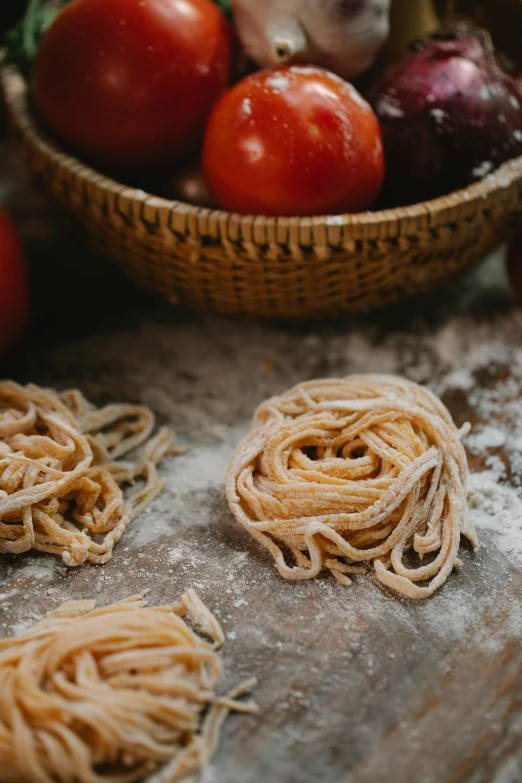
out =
column 356, row 686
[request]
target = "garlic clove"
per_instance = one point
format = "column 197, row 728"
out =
column 344, row 36
column 286, row 42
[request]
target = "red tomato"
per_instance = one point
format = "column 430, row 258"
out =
column 131, row 83
column 295, row 141
column 14, row 295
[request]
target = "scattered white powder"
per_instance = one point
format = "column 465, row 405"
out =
column 489, row 375
column 472, row 361
column 483, row 169
column 246, row 107
column 460, row 379
column 438, row 115
column 138, row 536
column 390, row 107
column 489, row 437
column 496, row 467
column 43, row 569
column 497, row 509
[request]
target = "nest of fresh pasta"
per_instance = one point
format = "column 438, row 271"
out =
column 115, row 693
column 343, row 474
column 63, row 465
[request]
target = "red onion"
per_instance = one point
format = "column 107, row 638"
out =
column 449, row 115
column 518, row 81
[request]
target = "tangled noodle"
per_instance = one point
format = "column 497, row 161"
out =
column 340, row 473
column 112, row 695
column 61, row 472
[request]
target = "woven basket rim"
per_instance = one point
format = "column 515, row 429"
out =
column 15, row 92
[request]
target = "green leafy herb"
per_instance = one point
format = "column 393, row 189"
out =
column 226, row 7
column 23, row 42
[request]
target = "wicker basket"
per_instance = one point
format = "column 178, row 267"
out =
column 272, row 267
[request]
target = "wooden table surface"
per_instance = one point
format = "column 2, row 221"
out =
column 355, row 685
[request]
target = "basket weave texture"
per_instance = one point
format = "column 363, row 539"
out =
column 273, row 267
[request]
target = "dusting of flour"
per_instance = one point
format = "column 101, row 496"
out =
column 336, row 665
column 497, row 508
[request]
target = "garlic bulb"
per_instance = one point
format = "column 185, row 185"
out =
column 341, row 35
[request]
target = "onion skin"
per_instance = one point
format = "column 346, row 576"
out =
column 518, row 80
column 449, row 116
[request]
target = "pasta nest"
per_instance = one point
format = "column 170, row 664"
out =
column 113, row 694
column 61, row 471
column 337, row 474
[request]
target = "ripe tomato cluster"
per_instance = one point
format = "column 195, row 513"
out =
column 137, row 85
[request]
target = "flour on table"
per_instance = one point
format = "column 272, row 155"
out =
column 489, row 437
column 497, row 509
column 494, row 499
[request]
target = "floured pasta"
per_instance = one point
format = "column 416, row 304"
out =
column 112, row 694
column 337, row 474
column 61, row 471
